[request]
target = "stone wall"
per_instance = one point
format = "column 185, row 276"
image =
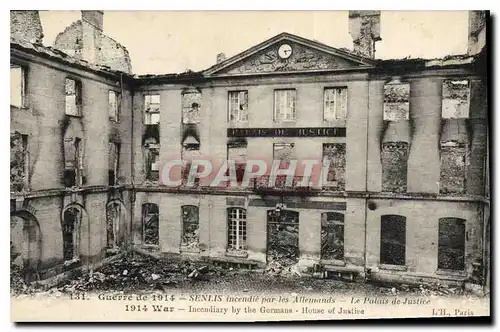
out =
column 26, row 25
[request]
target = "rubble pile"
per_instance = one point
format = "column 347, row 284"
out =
column 430, row 289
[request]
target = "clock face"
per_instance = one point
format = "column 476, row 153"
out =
column 285, row 51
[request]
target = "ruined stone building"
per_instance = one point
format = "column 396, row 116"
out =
column 407, row 197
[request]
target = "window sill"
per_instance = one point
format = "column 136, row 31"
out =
column 74, row 115
column 335, row 262
column 20, row 108
column 451, row 273
column 391, row 267
column 237, row 254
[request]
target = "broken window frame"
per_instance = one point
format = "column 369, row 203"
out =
column 191, row 113
column 390, row 242
column 402, row 101
column 76, row 170
column 285, row 105
column 446, row 147
column 151, row 109
column 187, row 227
column 236, row 230
column 74, row 232
column 334, row 104
column 73, row 100
column 391, row 186
column 277, row 222
column 457, row 228
column 186, row 164
column 114, row 105
column 24, row 185
column 238, row 106
column 22, row 101
column 152, row 151
column 151, row 210
column 444, row 99
column 330, row 221
column 113, row 173
column 334, row 163
column 239, row 166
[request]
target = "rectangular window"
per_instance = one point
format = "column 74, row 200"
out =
column 238, row 106
column 17, row 86
column 151, row 109
column 152, row 156
column 236, row 230
column 73, row 91
column 190, row 228
column 189, row 153
column 393, row 240
column 455, row 99
column 396, row 101
column 73, row 159
column 114, row 160
column 238, row 154
column 18, row 162
column 284, row 105
column 453, row 171
column 451, row 245
column 191, row 105
column 150, row 224
column 114, row 102
column 335, row 104
column 332, row 236
column 334, row 154
column 284, row 152
column 394, row 166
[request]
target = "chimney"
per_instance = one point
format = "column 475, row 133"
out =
column 25, row 25
column 364, row 28
column 221, row 57
column 92, row 28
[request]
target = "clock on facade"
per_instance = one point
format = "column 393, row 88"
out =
column 285, row 51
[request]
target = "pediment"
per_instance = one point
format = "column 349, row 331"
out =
column 288, row 53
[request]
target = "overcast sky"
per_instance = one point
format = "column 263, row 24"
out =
column 173, row 41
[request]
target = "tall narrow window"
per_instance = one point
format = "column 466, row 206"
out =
column 334, row 154
column 151, row 109
column 335, row 104
column 455, row 99
column 395, row 166
column 190, row 228
column 284, row 153
column 236, row 230
column 114, row 102
column 152, row 160
column 238, row 154
column 393, row 240
column 238, row 106
column 332, row 236
column 451, row 245
column 70, row 229
column 114, row 161
column 19, row 174
column 112, row 225
column 191, row 105
column 73, row 159
column 453, row 171
column 190, row 152
column 17, row 86
column 73, row 91
column 284, row 105
column 396, row 101
column 150, row 224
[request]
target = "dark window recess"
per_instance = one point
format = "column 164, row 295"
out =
column 393, row 240
column 114, row 159
column 190, row 227
column 150, row 223
column 394, row 166
column 282, row 239
column 73, row 162
column 152, row 161
column 71, row 218
column 335, row 153
column 112, row 224
column 332, row 236
column 18, row 161
column 453, row 168
column 451, row 245
column 189, row 152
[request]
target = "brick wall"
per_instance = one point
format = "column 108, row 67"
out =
column 26, row 25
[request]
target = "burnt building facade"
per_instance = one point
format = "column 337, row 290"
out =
column 406, row 141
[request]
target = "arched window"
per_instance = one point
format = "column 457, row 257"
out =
column 113, row 211
column 70, row 230
column 393, row 240
column 150, row 223
column 236, row 229
column 190, row 227
column 451, row 244
column 332, row 236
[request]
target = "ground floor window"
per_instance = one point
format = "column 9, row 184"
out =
column 282, row 239
column 237, row 229
column 112, row 224
column 70, row 230
column 451, row 244
column 332, row 236
column 190, row 227
column 150, row 224
column 393, row 240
